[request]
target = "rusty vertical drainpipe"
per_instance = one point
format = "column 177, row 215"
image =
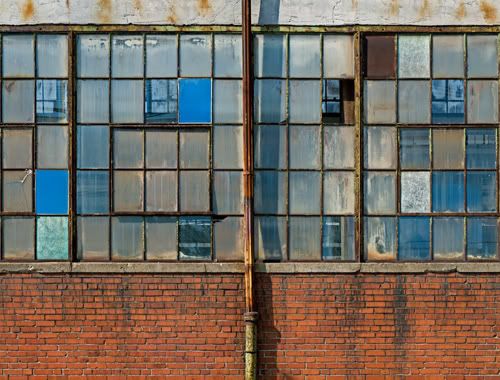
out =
column 250, row 313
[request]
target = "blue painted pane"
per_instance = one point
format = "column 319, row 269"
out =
column 414, row 148
column 195, row 238
column 447, row 191
column 414, row 238
column 448, row 101
column 93, row 147
column 51, row 192
column 482, row 236
column 481, row 191
column 92, row 192
column 481, row 148
column 195, row 100
column 51, row 101
column 52, row 238
column 161, row 101
column 338, row 238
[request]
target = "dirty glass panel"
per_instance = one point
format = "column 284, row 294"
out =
column 227, row 101
column 380, row 102
column 228, row 239
column 380, row 148
column 17, row 101
column 195, row 101
column 448, row 56
column 227, row 55
column 161, row 191
column 331, row 103
column 92, row 55
column 161, row 149
column 18, row 238
column 482, row 101
column 51, row 101
column 161, row 238
column 380, row 238
column 52, row 55
column 305, row 101
column 338, row 150
column 195, row 238
column 18, row 55
column 51, row 192
column 414, row 56
column 448, row 192
column 448, row 238
column 304, row 235
column 93, row 238
column 270, row 55
column 270, row 146
column 127, row 60
column 194, row 191
column 17, row 191
column 52, row 147
column 92, row 101
column 127, row 101
column 380, row 193
column 127, row 238
column 448, row 101
column 305, row 148
column 161, row 101
column 338, row 56
column 304, row 56
column 194, row 149
column 93, row 146
column 16, row 149
column 270, row 101
column 305, row 189
column 482, row 56
column 128, row 148
column 481, row 148
column 227, row 147
column 414, row 102
column 448, row 149
column 51, row 238
column 414, row 238
column 270, row 192
column 481, row 191
column 270, row 238
column 415, row 192
column 128, row 188
column 338, row 192
column 338, row 238
column 92, row 191
column 482, row 238
column 227, row 189
column 414, row 148
column 381, row 56
column 195, row 55
column 161, row 55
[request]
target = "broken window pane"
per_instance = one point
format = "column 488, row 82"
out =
column 194, row 191
column 51, row 191
column 161, row 191
column 305, row 148
column 92, row 101
column 415, row 192
column 195, row 55
column 270, row 101
column 481, row 148
column 338, row 238
column 128, row 191
column 127, row 101
column 482, row 56
column 195, row 238
column 227, row 190
column 227, row 55
column 52, row 238
column 381, row 56
column 195, row 101
column 331, row 104
column 128, row 148
column 481, row 191
column 17, row 191
column 51, row 101
column 448, row 238
column 52, row 55
column 305, row 189
column 448, row 56
column 305, row 101
column 161, row 55
column 127, row 56
column 338, row 150
column 52, row 147
column 414, row 238
column 227, row 147
column 304, row 235
column 194, row 149
column 17, row 101
column 270, row 55
column 93, row 238
column 380, row 193
column 161, row 101
column 414, row 148
column 338, row 56
column 482, row 101
column 338, row 193
column 16, row 149
column 161, row 238
column 448, row 149
column 228, row 239
column 270, row 192
column 93, row 147
column 482, row 238
column 304, row 56
column 92, row 192
column 448, row 101
column 127, row 238
column 380, row 238
column 380, row 148
column 18, row 238
column 227, row 101
column 447, row 192
column 380, row 102
column 18, row 55
column 270, row 143
column 92, row 55
column 161, row 149
column 414, row 56
column 270, row 238
column 414, row 102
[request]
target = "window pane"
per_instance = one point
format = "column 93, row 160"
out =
column 227, row 147
column 380, row 148
column 51, row 101
column 305, row 148
column 270, row 143
column 195, row 101
column 128, row 56
column 380, row 193
column 228, row 239
column 51, row 191
column 481, row 148
column 270, row 101
column 92, row 55
column 381, row 56
column 338, row 56
column 18, row 238
column 161, row 191
column 92, row 192
column 414, row 238
column 305, row 238
column 270, row 238
column 196, row 55
column 305, row 189
column 227, row 190
column 448, row 101
column 195, row 238
column 414, row 102
column 415, row 192
column 93, row 238
column 17, row 101
column 414, row 148
column 448, row 238
column 447, row 192
column 127, row 101
column 338, row 193
column 194, row 149
column 18, row 55
column 227, row 55
column 448, row 56
column 127, row 238
column 270, row 192
column 161, row 55
column 481, row 191
column 304, row 56
column 194, row 191
column 380, row 238
column 414, row 56
column 93, row 147
column 128, row 188
column 161, row 149
column 305, row 101
column 482, row 56
column 482, row 101
column 380, row 102
column 338, row 238
column 52, row 55
column 448, row 149
column 92, row 101
column 161, row 238
column 128, row 148
column 227, row 101
column 338, row 151
column 52, row 148
column 52, row 238
column 161, row 101
column 17, row 191
column 17, row 148
column 270, row 55
column 482, row 238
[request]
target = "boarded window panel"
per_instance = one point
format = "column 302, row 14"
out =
column 127, row 56
column 92, row 192
column 17, row 101
column 127, row 101
column 448, row 149
column 482, row 56
column 161, row 149
column 270, row 101
column 380, row 193
column 338, row 238
column 304, row 235
column 270, row 55
column 227, row 55
column 448, row 238
column 194, row 149
column 227, row 101
column 482, row 238
column 17, row 148
column 228, row 238
column 482, row 101
column 227, row 191
column 161, row 55
column 270, row 143
column 304, row 56
column 161, row 191
column 448, row 56
column 195, row 55
column 127, row 238
column 195, row 238
column 128, row 148
column 305, row 101
column 17, row 191
column 338, row 56
column 18, row 238
column 414, row 238
column 52, row 192
column 161, row 101
column 414, row 102
column 270, row 192
column 51, row 101
column 51, row 238
column 93, row 238
column 381, row 56
column 92, row 101
column 305, row 147
column 415, row 192
column 481, row 148
column 18, row 55
column 161, row 238
column 52, row 148
column 338, row 193
column 194, row 191
column 481, row 191
column 227, row 147
column 270, row 238
column 195, row 101
column 380, row 102
column 93, row 147
column 128, row 189
column 380, row 148
column 52, row 55
column 92, row 55
column 414, row 148
column 338, row 151
column 447, row 192
column 414, row 56
column 380, row 239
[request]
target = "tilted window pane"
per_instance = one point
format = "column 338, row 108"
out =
column 338, row 150
column 92, row 192
column 270, row 55
column 304, row 56
column 51, row 101
column 227, row 147
column 18, row 101
column 380, row 102
column 227, row 55
column 380, row 56
column 194, row 149
column 128, row 189
column 414, row 238
column 18, row 238
column 482, row 238
column 93, row 238
column 161, row 101
column 18, row 55
column 227, row 191
column 51, row 192
column 481, row 191
column 194, row 191
column 92, row 55
column 380, row 193
column 195, row 238
column 448, row 56
column 448, row 101
column 161, row 191
column 270, row 143
column 270, row 238
column 270, row 101
column 17, row 191
column 92, row 101
column 127, row 59
column 481, row 148
column 380, row 148
column 380, row 238
column 338, row 238
column 93, row 147
column 414, row 56
column 195, row 55
column 304, row 235
column 227, row 101
column 52, row 147
column 414, row 102
column 195, row 101
column 127, row 101
column 305, row 190
column 338, row 56
column 447, row 192
column 228, row 239
column 482, row 101
column 52, row 238
column 270, row 192
column 305, row 148
column 338, row 193
column 448, row 238
column 127, row 238
column 52, row 55
column 482, row 56
column 128, row 148
column 448, row 149
column 161, row 55
column 414, row 149
column 305, row 101
column 415, row 192
column 161, row 149
column 16, row 149
column 161, row 238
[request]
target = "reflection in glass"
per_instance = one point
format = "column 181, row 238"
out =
column 161, row 101
column 482, row 238
column 338, row 238
column 195, row 238
column 448, row 101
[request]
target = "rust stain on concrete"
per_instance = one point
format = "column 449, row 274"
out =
column 425, row 9
column 138, row 5
column 204, row 7
column 354, row 4
column 461, row 11
column 488, row 10
column 394, row 9
column 27, row 10
column 104, row 8
column 68, row 4
column 171, row 14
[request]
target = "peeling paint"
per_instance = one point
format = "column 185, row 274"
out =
column 461, row 11
column 27, row 10
column 104, row 8
column 394, row 9
column 488, row 10
column 425, row 10
column 204, row 7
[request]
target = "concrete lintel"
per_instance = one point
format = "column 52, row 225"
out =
column 35, row 267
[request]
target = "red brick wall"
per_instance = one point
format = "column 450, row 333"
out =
column 310, row 326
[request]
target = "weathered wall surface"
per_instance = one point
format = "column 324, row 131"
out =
column 285, row 12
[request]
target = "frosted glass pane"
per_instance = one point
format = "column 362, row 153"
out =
column 270, row 192
column 161, row 238
column 52, row 55
column 161, row 149
column 270, row 238
column 17, row 148
column 380, row 239
column 448, row 56
column 482, row 56
column 18, row 238
column 196, row 55
column 304, row 56
column 305, row 239
column 92, row 101
column 161, row 191
column 128, row 148
column 127, row 242
column 93, row 55
column 52, row 238
column 338, row 56
column 127, row 56
column 270, row 55
column 414, row 102
column 305, row 189
column 305, row 148
column 380, row 193
column 448, row 238
column 227, row 148
column 18, row 101
column 127, row 101
column 228, row 239
column 18, row 55
column 161, row 55
column 380, row 148
column 128, row 187
column 270, row 101
column 194, row 149
column 52, row 148
column 414, row 56
column 194, row 191
column 93, row 238
column 482, row 101
column 338, row 193
column 228, row 101
column 93, row 147
column 380, row 102
column 338, row 151
column 227, row 193
column 18, row 191
column 415, row 192
column 305, row 101
column 227, row 52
